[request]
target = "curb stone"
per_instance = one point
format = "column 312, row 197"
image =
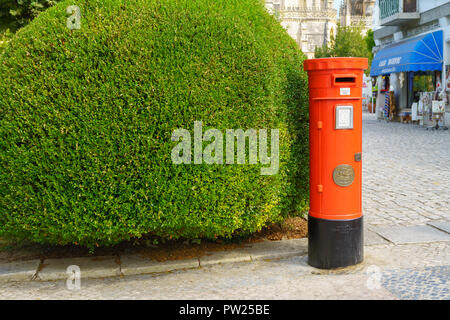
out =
column 91, row 267
column 232, row 256
column 18, row 271
column 103, row 267
column 277, row 249
column 138, row 264
column 111, row 266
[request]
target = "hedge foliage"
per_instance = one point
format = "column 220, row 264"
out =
column 86, row 118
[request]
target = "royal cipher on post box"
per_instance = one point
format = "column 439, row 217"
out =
column 335, row 221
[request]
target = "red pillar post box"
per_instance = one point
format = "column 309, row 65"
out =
column 335, row 221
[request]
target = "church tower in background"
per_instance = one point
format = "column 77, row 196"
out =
column 355, row 12
column 309, row 22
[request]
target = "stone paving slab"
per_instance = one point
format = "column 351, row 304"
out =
column 18, row 271
column 441, row 225
column 372, row 238
column 138, row 264
column 412, row 234
column 92, row 267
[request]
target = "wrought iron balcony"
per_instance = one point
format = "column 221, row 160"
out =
column 397, row 12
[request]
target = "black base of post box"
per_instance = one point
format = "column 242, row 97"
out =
column 335, row 243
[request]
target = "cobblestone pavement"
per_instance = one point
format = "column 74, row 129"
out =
column 388, row 272
column 429, row 283
column 406, row 173
column 406, row 182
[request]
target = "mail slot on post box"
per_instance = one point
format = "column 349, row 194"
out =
column 335, row 221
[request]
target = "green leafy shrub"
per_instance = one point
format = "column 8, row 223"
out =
column 86, row 118
column 5, row 36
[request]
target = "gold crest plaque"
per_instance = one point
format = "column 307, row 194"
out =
column 344, row 175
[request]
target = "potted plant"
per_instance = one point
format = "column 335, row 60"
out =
column 371, row 106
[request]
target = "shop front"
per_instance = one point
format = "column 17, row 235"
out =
column 410, row 80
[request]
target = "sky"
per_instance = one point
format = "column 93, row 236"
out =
column 337, row 4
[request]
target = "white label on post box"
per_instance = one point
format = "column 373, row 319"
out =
column 345, row 91
column 344, row 117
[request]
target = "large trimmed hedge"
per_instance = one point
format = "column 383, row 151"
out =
column 86, row 118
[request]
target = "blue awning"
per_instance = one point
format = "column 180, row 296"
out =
column 422, row 53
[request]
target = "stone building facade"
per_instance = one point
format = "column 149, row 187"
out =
column 309, row 22
column 357, row 11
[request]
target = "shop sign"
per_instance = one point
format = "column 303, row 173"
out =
column 390, row 62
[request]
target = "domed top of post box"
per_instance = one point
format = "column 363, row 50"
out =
column 335, row 63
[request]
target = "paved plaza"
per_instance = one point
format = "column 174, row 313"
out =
column 406, row 173
column 406, row 203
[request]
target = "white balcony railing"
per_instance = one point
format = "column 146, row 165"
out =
column 395, row 12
